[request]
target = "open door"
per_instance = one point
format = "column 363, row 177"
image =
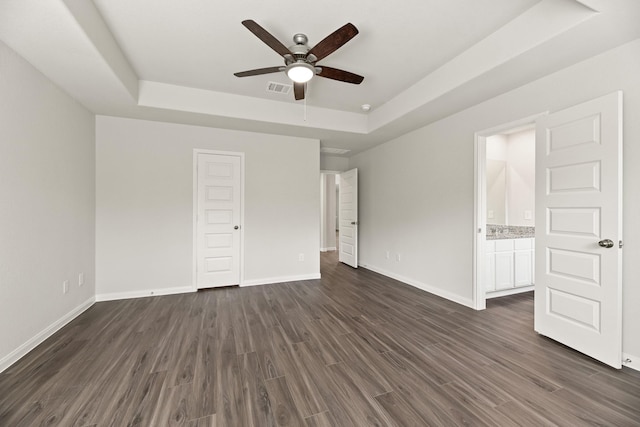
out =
column 348, row 208
column 578, row 289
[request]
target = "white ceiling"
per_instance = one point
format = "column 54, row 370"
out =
column 422, row 59
column 201, row 43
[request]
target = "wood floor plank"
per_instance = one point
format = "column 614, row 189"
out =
column 175, row 406
column 256, row 396
column 400, row 413
column 351, row 349
column 323, row 419
column 205, row 373
column 284, row 408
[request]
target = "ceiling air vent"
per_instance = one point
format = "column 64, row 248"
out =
column 330, row 150
column 278, row 88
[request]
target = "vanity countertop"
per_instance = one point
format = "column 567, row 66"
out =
column 499, row 232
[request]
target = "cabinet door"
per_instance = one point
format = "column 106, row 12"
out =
column 490, row 272
column 504, row 270
column 523, row 267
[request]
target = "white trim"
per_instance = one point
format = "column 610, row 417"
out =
column 194, row 266
column 333, row 248
column 144, row 293
column 32, row 343
column 422, row 286
column 479, row 200
column 282, row 279
column 511, row 291
column 633, row 361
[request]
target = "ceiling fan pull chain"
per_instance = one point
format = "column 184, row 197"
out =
column 306, row 92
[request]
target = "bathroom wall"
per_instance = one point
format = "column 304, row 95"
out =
column 511, row 178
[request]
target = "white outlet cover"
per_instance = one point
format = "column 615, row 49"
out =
column 65, row 286
column 80, row 279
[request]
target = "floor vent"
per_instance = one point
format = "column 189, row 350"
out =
column 278, row 88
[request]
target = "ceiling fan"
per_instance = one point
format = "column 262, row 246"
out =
column 300, row 60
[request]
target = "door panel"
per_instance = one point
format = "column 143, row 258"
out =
column 348, row 207
column 578, row 289
column 219, row 202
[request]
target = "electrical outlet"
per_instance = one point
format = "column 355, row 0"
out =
column 80, row 279
column 300, row 257
column 65, row 286
column 398, row 257
column 387, row 255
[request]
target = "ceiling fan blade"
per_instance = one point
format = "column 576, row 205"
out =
column 266, row 37
column 334, row 41
column 258, row 71
column 298, row 91
column 341, row 75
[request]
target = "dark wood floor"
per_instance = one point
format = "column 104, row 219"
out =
column 352, row 349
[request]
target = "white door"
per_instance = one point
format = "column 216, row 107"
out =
column 348, row 208
column 218, row 225
column 578, row 290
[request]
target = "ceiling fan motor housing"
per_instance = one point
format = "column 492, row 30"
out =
column 299, row 50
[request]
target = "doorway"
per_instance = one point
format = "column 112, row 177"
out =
column 339, row 215
column 505, row 211
column 329, row 187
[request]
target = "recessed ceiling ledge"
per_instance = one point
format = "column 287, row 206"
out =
column 540, row 23
column 180, row 98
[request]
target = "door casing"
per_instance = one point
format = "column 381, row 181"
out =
column 480, row 202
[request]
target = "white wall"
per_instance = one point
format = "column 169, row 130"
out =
column 47, row 196
column 144, row 209
column 416, row 191
column 521, row 177
column 511, row 178
column 334, row 163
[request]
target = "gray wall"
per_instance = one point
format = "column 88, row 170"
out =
column 47, row 217
column 144, row 210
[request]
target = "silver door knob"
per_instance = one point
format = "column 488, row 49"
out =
column 606, row 243
column 236, row 227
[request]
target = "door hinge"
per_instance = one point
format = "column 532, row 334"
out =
column 620, row 244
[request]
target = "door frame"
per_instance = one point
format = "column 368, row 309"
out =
column 196, row 152
column 323, row 199
column 480, row 203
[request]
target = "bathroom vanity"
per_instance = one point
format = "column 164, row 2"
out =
column 510, row 261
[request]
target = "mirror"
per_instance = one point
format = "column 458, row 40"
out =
column 496, row 191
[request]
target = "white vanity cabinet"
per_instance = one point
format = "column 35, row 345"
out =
column 509, row 264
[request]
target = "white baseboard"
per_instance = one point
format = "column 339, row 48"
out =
column 333, row 248
column 631, row 361
column 422, row 286
column 282, row 279
column 512, row 291
column 25, row 348
column 144, row 293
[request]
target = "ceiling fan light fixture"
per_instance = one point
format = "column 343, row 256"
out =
column 300, row 72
